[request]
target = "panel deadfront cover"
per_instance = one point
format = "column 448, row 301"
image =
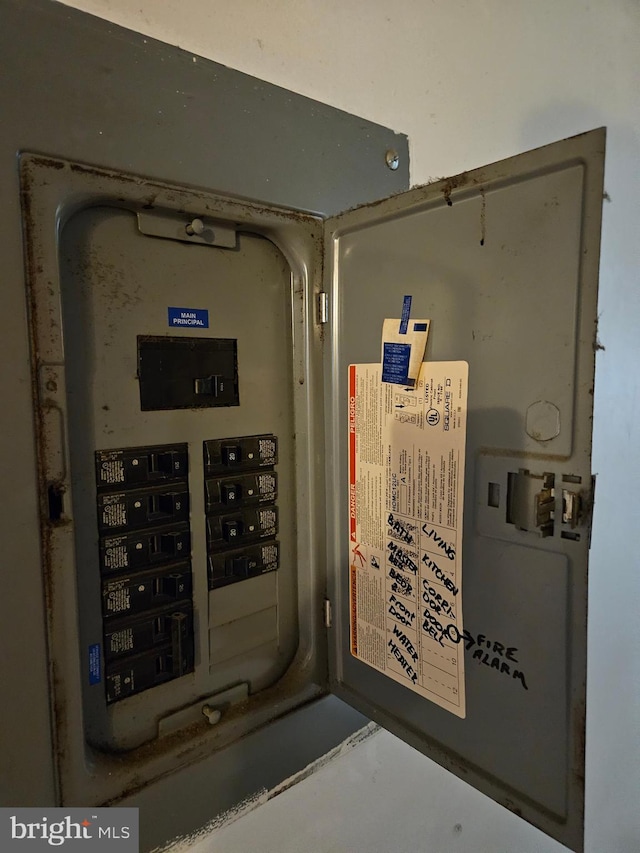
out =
column 168, row 478
column 504, row 262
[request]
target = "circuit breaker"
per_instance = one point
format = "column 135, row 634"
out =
column 143, row 496
column 146, row 580
column 190, row 354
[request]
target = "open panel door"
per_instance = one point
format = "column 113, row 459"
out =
column 504, row 262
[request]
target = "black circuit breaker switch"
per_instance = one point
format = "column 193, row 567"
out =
column 140, row 466
column 163, row 505
column 246, row 489
column 232, row 530
column 187, row 373
column 227, row 567
column 244, row 525
column 164, row 464
column 132, row 635
column 172, row 586
column 231, row 493
column 141, row 672
column 209, row 386
column 239, row 566
column 140, row 549
column 231, row 455
column 166, row 545
column 243, row 453
column 142, row 591
column 148, row 508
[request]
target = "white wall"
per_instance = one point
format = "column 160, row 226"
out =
column 471, row 82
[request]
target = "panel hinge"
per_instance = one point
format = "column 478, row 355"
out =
column 323, row 307
column 327, row 613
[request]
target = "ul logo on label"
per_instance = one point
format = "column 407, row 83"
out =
column 433, row 417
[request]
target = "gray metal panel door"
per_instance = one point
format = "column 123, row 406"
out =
column 504, row 261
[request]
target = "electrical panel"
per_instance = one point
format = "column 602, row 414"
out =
column 173, row 324
column 194, row 435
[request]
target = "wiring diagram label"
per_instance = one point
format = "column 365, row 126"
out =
column 406, row 501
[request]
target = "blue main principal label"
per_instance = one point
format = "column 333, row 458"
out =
column 189, row 317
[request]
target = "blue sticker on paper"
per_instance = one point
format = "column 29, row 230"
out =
column 189, row 317
column 95, row 664
column 406, row 310
column 395, row 363
column 419, row 327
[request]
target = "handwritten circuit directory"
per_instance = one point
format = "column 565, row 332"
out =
column 406, row 498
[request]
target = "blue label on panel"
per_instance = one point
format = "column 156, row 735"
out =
column 95, row 664
column 406, row 310
column 189, row 317
column 419, row 327
column 395, row 363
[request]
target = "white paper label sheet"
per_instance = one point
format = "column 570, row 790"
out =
column 406, row 482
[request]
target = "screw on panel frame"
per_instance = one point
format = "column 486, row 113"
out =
column 392, row 159
column 212, row 714
column 195, row 227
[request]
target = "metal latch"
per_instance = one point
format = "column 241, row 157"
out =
column 571, row 507
column 212, row 708
column 531, row 502
column 172, row 226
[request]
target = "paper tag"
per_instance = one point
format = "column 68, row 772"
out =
column 406, row 482
column 403, row 352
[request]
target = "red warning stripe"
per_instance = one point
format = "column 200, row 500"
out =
column 353, row 609
column 352, row 452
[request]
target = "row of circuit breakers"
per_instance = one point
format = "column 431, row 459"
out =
column 145, row 548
